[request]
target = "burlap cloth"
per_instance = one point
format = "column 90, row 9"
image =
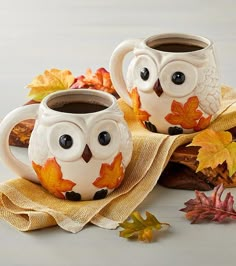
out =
column 27, row 206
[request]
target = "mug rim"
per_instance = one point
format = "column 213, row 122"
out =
column 106, row 99
column 181, row 36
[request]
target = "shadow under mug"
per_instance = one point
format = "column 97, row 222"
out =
column 79, row 147
column 172, row 81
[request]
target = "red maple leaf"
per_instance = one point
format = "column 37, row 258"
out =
column 210, row 208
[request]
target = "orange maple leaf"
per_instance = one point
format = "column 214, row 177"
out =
column 100, row 80
column 111, row 175
column 50, row 81
column 51, row 179
column 185, row 115
column 203, row 123
column 215, row 148
column 141, row 114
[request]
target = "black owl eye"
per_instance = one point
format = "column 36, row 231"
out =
column 104, row 138
column 65, row 141
column 178, row 78
column 144, row 74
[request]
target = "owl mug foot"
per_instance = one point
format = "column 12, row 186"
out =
column 175, row 130
column 171, row 130
column 100, row 194
column 150, row 127
column 73, row 196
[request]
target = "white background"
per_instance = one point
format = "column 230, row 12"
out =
column 75, row 35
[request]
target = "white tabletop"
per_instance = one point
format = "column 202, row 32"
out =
column 75, row 35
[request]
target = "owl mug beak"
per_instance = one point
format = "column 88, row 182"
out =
column 158, row 88
column 87, row 154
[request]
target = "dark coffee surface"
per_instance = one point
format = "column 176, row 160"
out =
column 177, row 47
column 79, row 108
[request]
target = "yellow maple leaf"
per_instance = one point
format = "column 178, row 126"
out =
column 142, row 115
column 111, row 175
column 215, row 148
column 51, row 178
column 50, row 81
column 142, row 228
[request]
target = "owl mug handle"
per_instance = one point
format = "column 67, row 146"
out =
column 116, row 67
column 7, row 124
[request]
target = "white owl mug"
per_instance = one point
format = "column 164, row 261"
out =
column 79, row 147
column 172, row 81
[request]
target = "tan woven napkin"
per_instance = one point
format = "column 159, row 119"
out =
column 27, row 206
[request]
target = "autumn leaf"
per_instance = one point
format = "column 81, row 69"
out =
column 140, row 114
column 50, row 81
column 141, row 228
column 111, row 175
column 185, row 115
column 203, row 123
column 100, row 80
column 216, row 148
column 210, row 208
column 51, row 178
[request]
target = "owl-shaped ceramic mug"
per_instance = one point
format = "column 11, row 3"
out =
column 79, row 147
column 172, row 81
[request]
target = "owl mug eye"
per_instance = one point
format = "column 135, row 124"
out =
column 143, row 73
column 66, row 141
column 104, row 138
column 178, row 78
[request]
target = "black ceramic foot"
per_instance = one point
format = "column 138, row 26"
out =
column 150, row 127
column 73, row 196
column 101, row 194
column 175, row 130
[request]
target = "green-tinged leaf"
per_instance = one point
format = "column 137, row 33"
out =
column 140, row 227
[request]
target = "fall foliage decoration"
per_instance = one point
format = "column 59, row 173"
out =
column 100, row 80
column 180, row 172
column 141, row 228
column 187, row 115
column 203, row 123
column 51, row 178
column 210, row 208
column 55, row 79
column 142, row 115
column 50, row 81
column 111, row 175
column 215, row 149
